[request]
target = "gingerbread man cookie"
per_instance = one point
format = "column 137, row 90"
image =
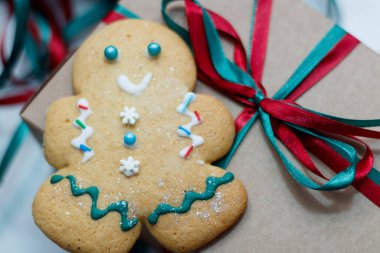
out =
column 134, row 148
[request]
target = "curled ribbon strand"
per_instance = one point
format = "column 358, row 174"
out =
column 44, row 38
column 302, row 131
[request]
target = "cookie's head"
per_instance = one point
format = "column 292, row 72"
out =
column 133, row 63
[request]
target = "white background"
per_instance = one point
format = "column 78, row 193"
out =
column 29, row 169
column 361, row 18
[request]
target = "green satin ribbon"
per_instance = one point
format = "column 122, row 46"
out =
column 224, row 66
column 45, row 37
column 254, row 8
column 374, row 175
column 125, row 12
column 44, row 29
column 172, row 24
column 12, row 148
column 88, row 19
column 21, row 10
column 311, row 61
column 339, row 181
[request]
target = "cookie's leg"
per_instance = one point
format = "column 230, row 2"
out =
column 225, row 200
column 79, row 218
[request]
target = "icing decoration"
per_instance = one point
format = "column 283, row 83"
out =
column 80, row 124
column 212, row 183
column 130, row 139
column 80, row 141
column 135, row 89
column 154, row 49
column 84, row 148
column 185, row 131
column 129, row 167
column 96, row 214
column 129, row 115
column 197, row 115
column 111, row 53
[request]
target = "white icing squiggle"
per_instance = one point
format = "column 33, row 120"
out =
column 134, row 89
column 87, row 131
column 185, row 130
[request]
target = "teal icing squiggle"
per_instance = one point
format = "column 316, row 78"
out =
column 96, row 214
column 212, row 183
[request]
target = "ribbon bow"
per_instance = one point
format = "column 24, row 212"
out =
column 302, row 131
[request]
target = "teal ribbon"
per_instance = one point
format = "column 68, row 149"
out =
column 125, row 12
column 254, row 8
column 311, row 61
column 172, row 24
column 339, row 181
column 21, row 10
column 88, row 19
column 16, row 141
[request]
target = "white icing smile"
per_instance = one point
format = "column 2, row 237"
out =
column 135, row 89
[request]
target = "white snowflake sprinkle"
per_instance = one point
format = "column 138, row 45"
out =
column 129, row 167
column 129, row 115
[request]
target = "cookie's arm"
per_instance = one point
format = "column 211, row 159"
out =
column 217, row 128
column 59, row 132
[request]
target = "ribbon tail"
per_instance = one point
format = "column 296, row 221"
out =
column 311, row 61
column 13, row 146
column 369, row 186
column 339, row 181
column 299, row 116
column 240, row 135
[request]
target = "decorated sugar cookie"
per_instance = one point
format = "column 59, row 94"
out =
column 134, row 148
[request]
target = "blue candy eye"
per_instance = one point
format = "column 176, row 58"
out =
column 111, row 53
column 154, row 49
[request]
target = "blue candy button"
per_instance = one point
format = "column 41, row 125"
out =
column 130, row 139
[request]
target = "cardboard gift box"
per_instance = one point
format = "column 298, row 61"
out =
column 282, row 216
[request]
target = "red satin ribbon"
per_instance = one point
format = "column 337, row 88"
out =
column 259, row 39
column 57, row 46
column 113, row 16
column 17, row 98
